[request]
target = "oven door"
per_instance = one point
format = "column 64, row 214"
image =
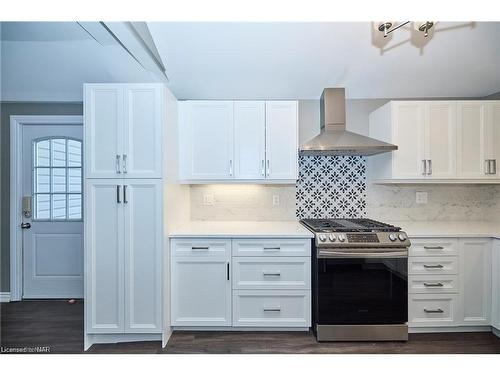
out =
column 362, row 286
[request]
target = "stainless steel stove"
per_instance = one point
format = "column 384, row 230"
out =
column 360, row 280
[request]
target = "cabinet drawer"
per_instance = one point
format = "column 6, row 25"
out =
column 430, row 310
column 433, row 284
column 272, row 247
column 433, row 247
column 271, row 273
column 271, row 308
column 201, row 247
column 433, row 265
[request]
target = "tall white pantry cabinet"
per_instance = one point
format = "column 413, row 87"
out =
column 123, row 211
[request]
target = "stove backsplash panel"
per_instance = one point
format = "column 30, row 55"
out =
column 331, row 186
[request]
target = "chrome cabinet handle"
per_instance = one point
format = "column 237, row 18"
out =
column 228, row 270
column 429, row 170
column 487, row 164
column 424, row 167
column 433, row 284
column 263, row 168
column 433, row 247
column 433, row 266
column 277, row 308
column 125, row 194
column 268, row 167
column 230, row 167
column 272, row 248
column 266, row 273
column 124, row 163
column 199, row 248
column 118, row 200
column 439, row 311
column 494, row 164
column 118, row 164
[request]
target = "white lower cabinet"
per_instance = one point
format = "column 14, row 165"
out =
column 495, row 285
column 451, row 284
column 271, row 308
column 222, row 283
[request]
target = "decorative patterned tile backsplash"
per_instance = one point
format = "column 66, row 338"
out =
column 331, row 186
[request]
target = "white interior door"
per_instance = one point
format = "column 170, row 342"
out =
column 52, row 182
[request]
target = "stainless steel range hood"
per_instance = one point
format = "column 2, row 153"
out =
column 334, row 139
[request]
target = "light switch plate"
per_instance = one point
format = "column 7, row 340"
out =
column 421, row 197
column 208, row 199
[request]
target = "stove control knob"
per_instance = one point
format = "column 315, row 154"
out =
column 402, row 237
column 341, row 238
column 322, row 237
column 392, row 237
column 332, row 238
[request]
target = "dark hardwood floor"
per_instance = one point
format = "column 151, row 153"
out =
column 59, row 325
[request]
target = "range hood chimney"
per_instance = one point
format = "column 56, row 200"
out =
column 334, row 139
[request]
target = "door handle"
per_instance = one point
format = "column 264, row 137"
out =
column 228, row 270
column 268, row 167
column 118, row 164
column 439, row 311
column 265, row 273
column 118, row 200
column 433, row 266
column 124, row 163
column 25, row 225
column 263, row 168
column 487, row 164
column 230, row 167
column 494, row 164
column 424, row 167
column 433, row 284
column 125, row 194
column 277, row 308
column 429, row 171
column 433, row 247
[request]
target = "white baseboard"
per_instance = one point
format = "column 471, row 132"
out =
column 4, row 296
column 449, row 329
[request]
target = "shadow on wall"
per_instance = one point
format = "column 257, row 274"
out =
column 417, row 37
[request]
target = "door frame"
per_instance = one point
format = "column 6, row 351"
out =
column 16, row 149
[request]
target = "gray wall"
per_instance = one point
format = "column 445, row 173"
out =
column 7, row 110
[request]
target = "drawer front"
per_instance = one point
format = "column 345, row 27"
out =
column 433, row 265
column 432, row 310
column 200, row 247
column 272, row 247
column 271, row 272
column 433, row 247
column 271, row 308
column 433, row 284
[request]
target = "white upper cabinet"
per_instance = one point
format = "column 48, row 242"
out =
column 440, row 139
column 238, row 141
column 123, row 130
column 437, row 140
column 471, row 139
column 281, row 140
column 249, row 140
column 104, row 116
column 206, row 140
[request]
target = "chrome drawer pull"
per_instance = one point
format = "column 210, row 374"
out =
column 433, row 284
column 272, row 248
column 199, row 247
column 433, row 266
column 277, row 309
column 433, row 247
column 437, row 311
column 277, row 273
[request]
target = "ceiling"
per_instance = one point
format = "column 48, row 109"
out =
column 49, row 61
column 297, row 60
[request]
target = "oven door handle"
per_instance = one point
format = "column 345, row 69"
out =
column 352, row 254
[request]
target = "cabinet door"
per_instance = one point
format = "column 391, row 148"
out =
column 475, row 281
column 103, row 131
column 470, row 139
column 206, row 140
column 249, row 140
column 142, row 203
column 492, row 139
column 281, row 140
column 408, row 128
column 495, row 317
column 201, row 290
column 142, row 156
column 441, row 139
column 104, row 278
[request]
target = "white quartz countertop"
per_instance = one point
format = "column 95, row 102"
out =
column 240, row 229
column 450, row 228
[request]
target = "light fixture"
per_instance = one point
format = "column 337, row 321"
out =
column 388, row 27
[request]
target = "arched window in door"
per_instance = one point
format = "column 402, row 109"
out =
column 57, row 179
